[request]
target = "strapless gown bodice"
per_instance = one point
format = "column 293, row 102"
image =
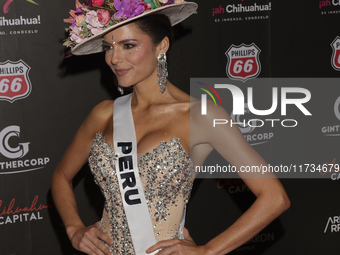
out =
column 167, row 176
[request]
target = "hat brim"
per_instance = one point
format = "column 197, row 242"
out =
column 175, row 12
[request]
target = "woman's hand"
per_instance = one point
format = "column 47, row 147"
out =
column 85, row 239
column 186, row 246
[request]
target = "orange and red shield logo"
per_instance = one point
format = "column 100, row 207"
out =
column 335, row 60
column 14, row 81
column 243, row 62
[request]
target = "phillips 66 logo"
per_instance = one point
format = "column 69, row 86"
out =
column 14, row 81
column 336, row 54
column 243, row 62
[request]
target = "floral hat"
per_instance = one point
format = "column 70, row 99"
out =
column 92, row 19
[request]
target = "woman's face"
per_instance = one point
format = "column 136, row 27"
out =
column 131, row 55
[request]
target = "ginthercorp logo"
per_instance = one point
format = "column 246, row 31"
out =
column 15, row 151
column 5, row 148
column 335, row 60
column 240, row 107
column 333, row 130
column 243, row 62
column 7, row 5
column 247, row 126
column 14, row 81
column 333, row 224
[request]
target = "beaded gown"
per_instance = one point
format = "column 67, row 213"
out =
column 167, row 176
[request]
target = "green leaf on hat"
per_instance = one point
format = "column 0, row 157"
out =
column 154, row 3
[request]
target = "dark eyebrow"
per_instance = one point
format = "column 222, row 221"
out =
column 127, row 40
column 106, row 42
column 121, row 42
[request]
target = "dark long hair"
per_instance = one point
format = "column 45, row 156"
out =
column 157, row 26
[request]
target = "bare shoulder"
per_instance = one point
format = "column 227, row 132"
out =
column 98, row 119
column 204, row 115
column 103, row 110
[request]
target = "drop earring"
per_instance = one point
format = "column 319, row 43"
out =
column 162, row 71
column 120, row 89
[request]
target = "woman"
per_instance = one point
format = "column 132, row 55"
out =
column 144, row 206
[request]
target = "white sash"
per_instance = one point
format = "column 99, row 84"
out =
column 130, row 185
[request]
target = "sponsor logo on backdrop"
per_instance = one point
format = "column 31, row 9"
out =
column 18, row 23
column 259, row 238
column 243, row 62
column 14, row 213
column 15, row 150
column 335, row 60
column 247, row 126
column 234, row 185
column 7, row 5
column 329, row 7
column 332, row 225
column 241, row 11
column 14, row 80
column 333, row 130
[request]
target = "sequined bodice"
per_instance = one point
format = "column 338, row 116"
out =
column 167, row 175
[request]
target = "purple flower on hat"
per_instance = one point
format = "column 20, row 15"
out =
column 74, row 22
column 122, row 8
column 79, row 11
column 138, row 10
column 128, row 8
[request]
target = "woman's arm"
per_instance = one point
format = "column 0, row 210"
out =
column 271, row 201
column 83, row 238
column 271, row 198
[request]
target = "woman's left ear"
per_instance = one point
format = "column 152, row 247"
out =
column 164, row 45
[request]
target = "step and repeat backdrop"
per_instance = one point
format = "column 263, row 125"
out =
column 279, row 62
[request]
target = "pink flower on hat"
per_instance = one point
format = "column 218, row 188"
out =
column 96, row 30
column 93, row 23
column 104, row 16
column 98, row 2
column 75, row 34
column 92, row 20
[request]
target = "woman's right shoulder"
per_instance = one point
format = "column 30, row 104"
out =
column 100, row 116
column 103, row 109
